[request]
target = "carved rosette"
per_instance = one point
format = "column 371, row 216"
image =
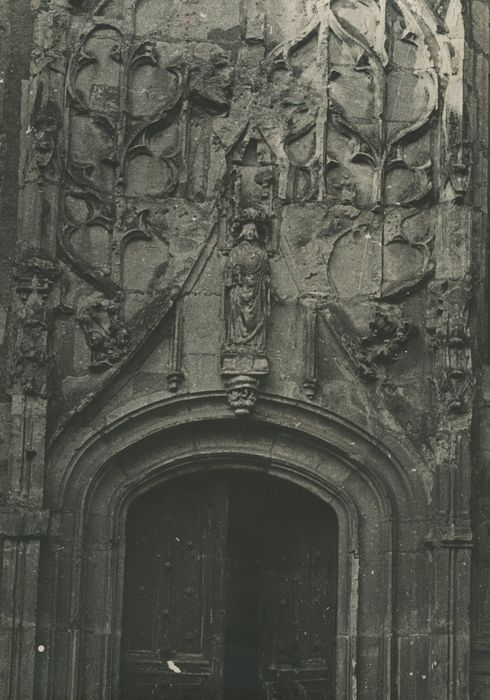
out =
column 246, row 312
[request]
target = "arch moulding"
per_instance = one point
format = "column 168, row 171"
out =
column 94, row 477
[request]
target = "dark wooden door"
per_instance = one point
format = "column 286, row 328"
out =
column 173, row 629
column 230, row 592
column 298, row 597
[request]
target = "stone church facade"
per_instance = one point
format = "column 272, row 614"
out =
column 244, row 299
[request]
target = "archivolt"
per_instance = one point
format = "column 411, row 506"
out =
column 80, row 460
column 373, row 489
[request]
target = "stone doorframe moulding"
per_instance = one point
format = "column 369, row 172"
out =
column 380, row 503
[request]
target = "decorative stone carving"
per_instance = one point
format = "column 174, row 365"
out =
column 46, row 124
column 342, row 172
column 247, row 300
column 448, row 329
column 383, row 345
column 440, row 8
column 459, row 174
column 147, row 122
column 330, row 139
column 166, row 132
column 31, row 363
column 210, row 77
column 105, row 334
column 242, row 393
column 359, row 104
column 251, row 183
column 34, row 277
column 49, row 41
column 408, row 255
column 454, row 385
column 247, row 306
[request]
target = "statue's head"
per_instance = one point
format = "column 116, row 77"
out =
column 249, row 226
column 211, row 77
column 249, row 232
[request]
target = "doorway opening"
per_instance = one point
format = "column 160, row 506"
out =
column 230, row 591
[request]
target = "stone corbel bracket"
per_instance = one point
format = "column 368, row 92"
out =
column 241, row 377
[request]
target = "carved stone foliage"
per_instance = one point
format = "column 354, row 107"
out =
column 246, row 311
column 34, row 277
column 386, row 341
column 105, row 334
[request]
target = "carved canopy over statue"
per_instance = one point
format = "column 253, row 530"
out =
column 247, row 293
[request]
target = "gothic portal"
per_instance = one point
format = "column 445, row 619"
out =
column 244, row 388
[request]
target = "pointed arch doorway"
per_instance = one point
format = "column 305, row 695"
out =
column 230, row 591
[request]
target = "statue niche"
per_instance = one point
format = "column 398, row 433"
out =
column 246, row 309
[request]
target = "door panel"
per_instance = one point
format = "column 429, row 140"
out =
column 243, row 575
column 174, row 597
column 299, row 597
column 230, row 592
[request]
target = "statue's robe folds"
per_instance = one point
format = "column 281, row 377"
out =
column 248, row 297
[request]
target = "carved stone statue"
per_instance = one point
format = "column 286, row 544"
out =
column 247, row 308
column 247, row 303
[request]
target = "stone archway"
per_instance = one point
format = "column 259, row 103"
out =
column 371, row 493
